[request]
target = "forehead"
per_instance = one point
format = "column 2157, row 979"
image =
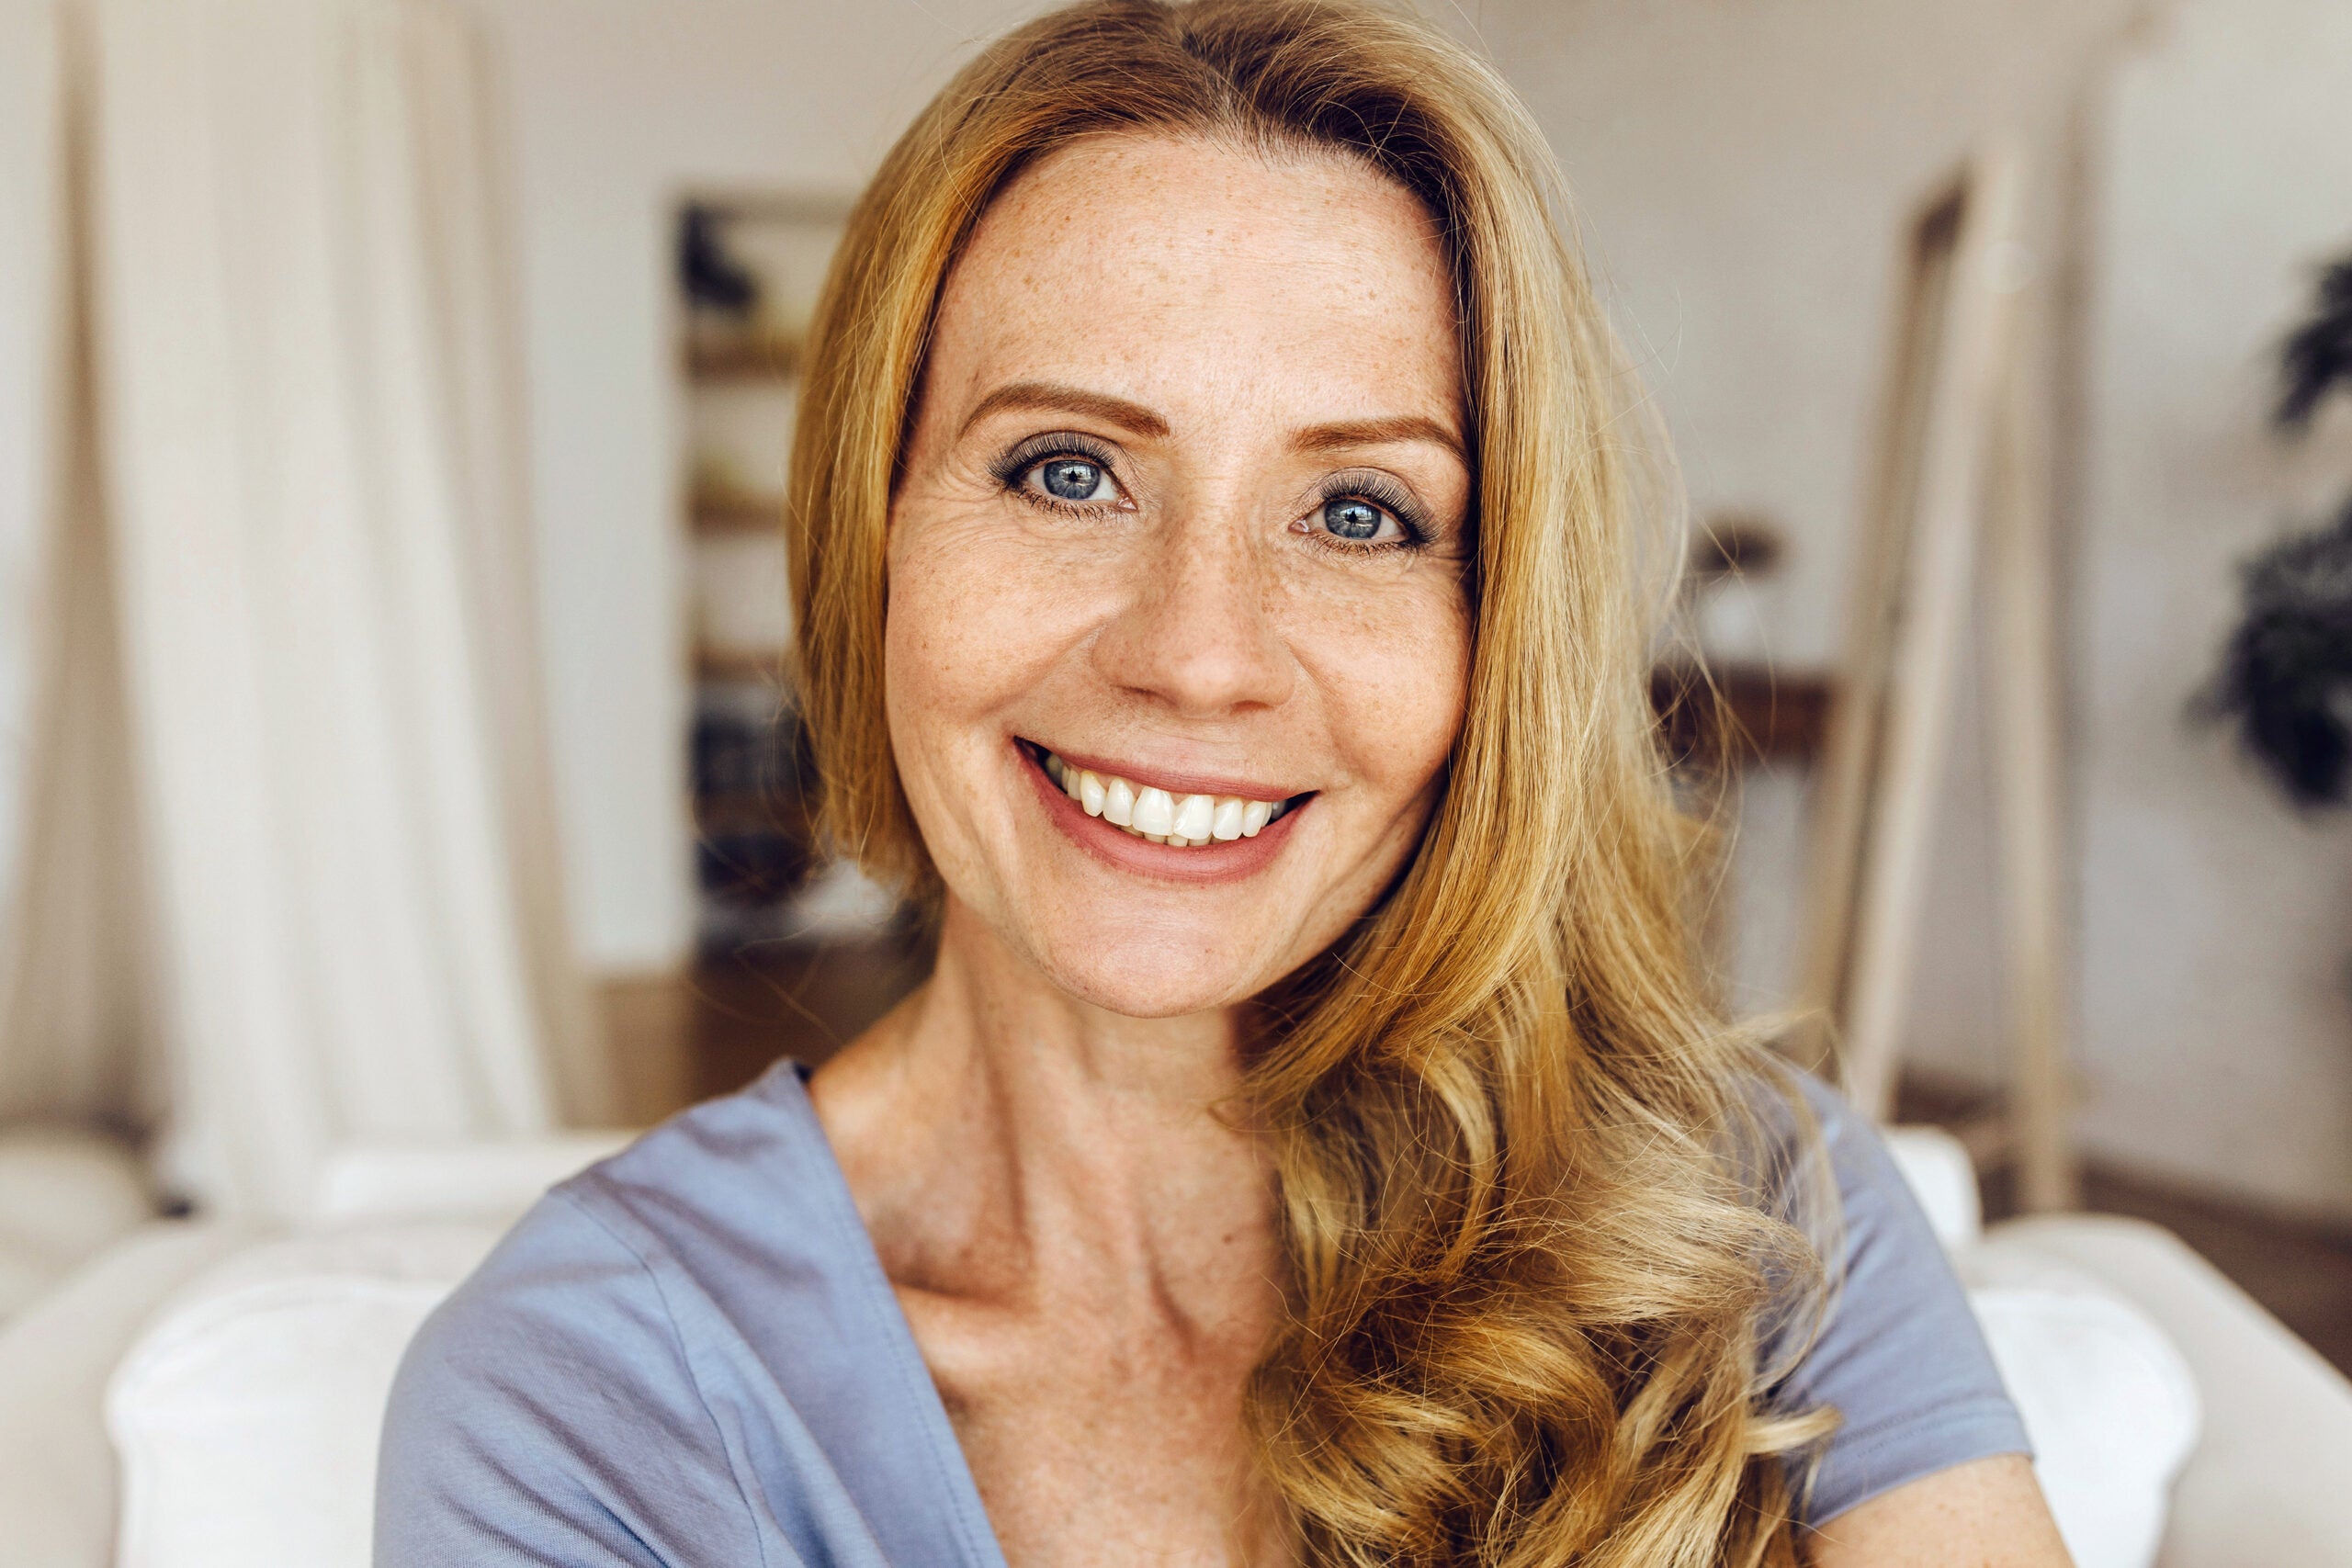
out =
column 1184, row 272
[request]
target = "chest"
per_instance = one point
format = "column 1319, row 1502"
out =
column 1098, row 1438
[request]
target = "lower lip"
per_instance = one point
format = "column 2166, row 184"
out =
column 1219, row 860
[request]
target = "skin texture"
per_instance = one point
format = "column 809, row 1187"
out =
column 1988, row 1513
column 1194, row 628
column 1081, row 1241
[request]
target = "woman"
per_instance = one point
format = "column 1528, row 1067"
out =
column 1211, row 535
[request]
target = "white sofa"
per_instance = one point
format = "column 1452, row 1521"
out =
column 66, row 1194
column 242, row 1375
column 61, row 1493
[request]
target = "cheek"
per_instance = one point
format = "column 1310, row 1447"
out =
column 1393, row 667
column 972, row 624
column 934, row 643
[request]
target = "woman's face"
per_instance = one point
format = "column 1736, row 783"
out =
column 1178, row 555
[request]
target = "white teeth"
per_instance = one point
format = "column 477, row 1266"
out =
column 1161, row 816
column 1193, row 814
column 1155, row 812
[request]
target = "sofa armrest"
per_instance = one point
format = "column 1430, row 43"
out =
column 65, row 1196
column 478, row 1179
column 57, row 1467
column 2266, row 1484
column 1936, row 1168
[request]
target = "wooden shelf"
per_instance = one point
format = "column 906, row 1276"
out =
column 752, row 359
column 1742, row 713
column 737, row 514
column 764, row 666
column 777, row 811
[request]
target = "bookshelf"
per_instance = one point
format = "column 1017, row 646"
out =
column 750, row 267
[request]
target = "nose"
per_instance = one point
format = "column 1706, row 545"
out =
column 1196, row 634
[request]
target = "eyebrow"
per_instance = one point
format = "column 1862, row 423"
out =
column 1377, row 432
column 1057, row 398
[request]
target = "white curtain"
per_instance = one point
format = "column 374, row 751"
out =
column 75, row 1019
column 335, row 876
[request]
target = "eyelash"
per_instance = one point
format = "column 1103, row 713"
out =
column 1383, row 492
column 1014, row 468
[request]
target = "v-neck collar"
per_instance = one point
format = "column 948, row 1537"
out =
column 914, row 1391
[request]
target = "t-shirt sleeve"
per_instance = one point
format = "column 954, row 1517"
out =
column 1899, row 1355
column 547, row 1415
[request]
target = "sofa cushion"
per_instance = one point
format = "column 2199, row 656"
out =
column 2109, row 1404
column 246, row 1420
column 2265, row 1484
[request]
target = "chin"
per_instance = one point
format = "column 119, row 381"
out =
column 1176, row 980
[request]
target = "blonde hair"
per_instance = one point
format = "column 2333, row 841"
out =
column 1532, row 1264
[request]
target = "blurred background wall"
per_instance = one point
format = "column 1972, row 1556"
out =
column 2215, row 923
column 1742, row 170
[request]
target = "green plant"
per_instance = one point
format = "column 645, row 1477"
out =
column 2285, row 682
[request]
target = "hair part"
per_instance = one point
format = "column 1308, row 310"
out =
column 1536, row 1246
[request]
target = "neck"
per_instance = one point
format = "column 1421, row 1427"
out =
column 1003, row 1137
column 993, row 1011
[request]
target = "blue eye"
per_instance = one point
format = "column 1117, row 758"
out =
column 1072, row 478
column 1347, row 517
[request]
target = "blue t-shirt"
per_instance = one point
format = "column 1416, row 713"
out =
column 689, row 1356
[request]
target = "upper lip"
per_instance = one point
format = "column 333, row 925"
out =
column 1175, row 781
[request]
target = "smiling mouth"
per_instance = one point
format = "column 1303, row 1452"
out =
column 1158, row 815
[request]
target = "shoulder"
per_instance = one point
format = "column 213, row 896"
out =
column 546, row 1411
column 1897, row 1351
column 557, row 1402
column 751, row 1164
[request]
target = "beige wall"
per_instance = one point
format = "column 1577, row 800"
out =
column 1742, row 170
column 2217, row 996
